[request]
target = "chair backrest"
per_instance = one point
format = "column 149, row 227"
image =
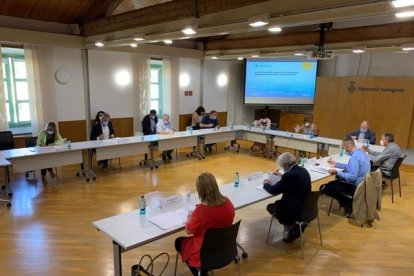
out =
column 219, row 247
column 273, row 126
column 395, row 172
column 310, row 208
column 6, row 140
column 30, row 142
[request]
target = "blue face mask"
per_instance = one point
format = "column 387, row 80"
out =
column 362, row 130
column 104, row 123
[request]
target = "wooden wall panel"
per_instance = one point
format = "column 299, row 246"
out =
column 185, row 120
column 124, row 127
column 288, row 121
column 273, row 114
column 74, row 131
column 341, row 104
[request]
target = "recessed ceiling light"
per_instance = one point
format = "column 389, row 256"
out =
column 299, row 53
column 139, row 37
column 133, row 45
column 240, row 58
column 99, row 44
column 255, row 56
column 359, row 50
column 404, row 14
column 168, row 41
column 214, row 57
column 190, row 30
column 259, row 20
column 275, row 29
column 407, row 47
column 402, row 3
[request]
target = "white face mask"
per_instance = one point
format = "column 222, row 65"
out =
column 307, row 124
column 50, row 132
column 382, row 143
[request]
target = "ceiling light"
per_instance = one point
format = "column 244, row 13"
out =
column 299, row 53
column 359, row 50
column 255, row 55
column 275, row 29
column 139, row 37
column 259, row 20
column 133, row 45
column 407, row 47
column 214, row 57
column 168, row 41
column 99, row 44
column 240, row 58
column 190, row 30
column 402, row 3
column 404, row 14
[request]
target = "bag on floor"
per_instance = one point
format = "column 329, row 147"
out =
column 153, row 263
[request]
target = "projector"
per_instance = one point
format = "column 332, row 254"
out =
column 321, row 55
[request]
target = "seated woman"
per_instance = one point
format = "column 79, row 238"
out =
column 214, row 211
column 103, row 130
column 49, row 137
column 264, row 123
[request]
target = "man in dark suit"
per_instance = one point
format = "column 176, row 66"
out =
column 149, row 123
column 364, row 133
column 103, row 130
column 295, row 185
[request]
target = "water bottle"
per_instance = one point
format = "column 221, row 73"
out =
column 142, row 205
column 236, row 180
column 341, row 152
column 69, row 145
column 232, row 126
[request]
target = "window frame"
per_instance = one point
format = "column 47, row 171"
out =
column 10, row 81
column 157, row 66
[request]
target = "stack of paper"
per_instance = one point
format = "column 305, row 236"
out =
column 171, row 219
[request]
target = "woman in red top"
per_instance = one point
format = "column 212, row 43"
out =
column 215, row 211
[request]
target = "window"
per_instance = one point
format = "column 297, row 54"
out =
column 16, row 88
column 156, row 86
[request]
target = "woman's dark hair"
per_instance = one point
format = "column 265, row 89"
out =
column 97, row 120
column 200, row 110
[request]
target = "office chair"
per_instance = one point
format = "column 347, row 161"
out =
column 219, row 248
column 395, row 173
column 6, row 143
column 308, row 213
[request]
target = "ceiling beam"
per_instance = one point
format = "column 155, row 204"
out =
column 100, row 9
column 162, row 13
column 357, row 34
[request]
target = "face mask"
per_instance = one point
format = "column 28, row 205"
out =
column 213, row 117
column 50, row 132
column 382, row 143
column 362, row 130
column 152, row 117
column 104, row 123
column 307, row 124
column 165, row 121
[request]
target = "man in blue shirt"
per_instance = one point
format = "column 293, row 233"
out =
column 343, row 188
column 209, row 121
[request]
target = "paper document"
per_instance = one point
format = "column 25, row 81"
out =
column 171, row 219
column 260, row 187
column 323, row 169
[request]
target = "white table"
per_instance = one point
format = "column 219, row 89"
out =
column 131, row 230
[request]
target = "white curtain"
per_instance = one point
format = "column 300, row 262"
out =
column 36, row 93
column 4, row 125
column 141, row 86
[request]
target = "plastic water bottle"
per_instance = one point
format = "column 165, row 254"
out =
column 69, row 145
column 236, row 180
column 232, row 126
column 341, row 152
column 142, row 206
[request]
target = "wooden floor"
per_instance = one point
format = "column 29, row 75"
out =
column 48, row 229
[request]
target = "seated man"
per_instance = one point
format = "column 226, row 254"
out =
column 364, row 133
column 209, row 121
column 295, row 185
column 149, row 123
column 264, row 122
column 343, row 188
column 308, row 128
column 164, row 126
column 103, row 130
column 384, row 160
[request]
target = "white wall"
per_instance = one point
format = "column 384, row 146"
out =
column 215, row 96
column 191, row 67
column 61, row 102
column 105, row 93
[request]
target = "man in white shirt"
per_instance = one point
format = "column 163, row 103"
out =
column 164, row 126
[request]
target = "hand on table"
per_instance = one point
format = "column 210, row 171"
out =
column 332, row 162
column 332, row 171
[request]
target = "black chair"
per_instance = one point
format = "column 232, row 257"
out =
column 395, row 173
column 6, row 143
column 308, row 213
column 219, row 248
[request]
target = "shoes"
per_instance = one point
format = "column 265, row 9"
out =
column 44, row 181
column 52, row 174
column 347, row 211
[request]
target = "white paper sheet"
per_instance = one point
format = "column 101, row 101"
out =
column 323, row 169
column 171, row 219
